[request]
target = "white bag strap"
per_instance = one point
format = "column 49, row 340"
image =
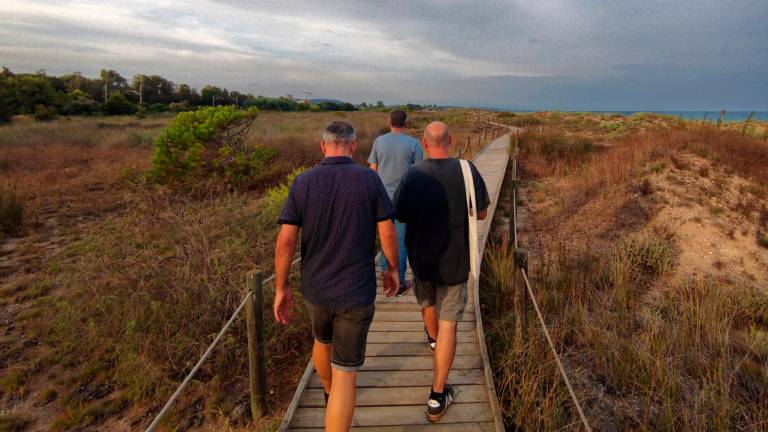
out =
column 469, row 189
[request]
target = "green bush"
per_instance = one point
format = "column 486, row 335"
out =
column 79, row 103
column 157, row 108
column 117, row 104
column 180, row 106
column 11, row 210
column 44, row 113
column 141, row 113
column 209, row 143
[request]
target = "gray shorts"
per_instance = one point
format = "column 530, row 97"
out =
column 345, row 329
column 448, row 300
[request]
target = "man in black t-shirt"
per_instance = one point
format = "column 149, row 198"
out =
column 431, row 201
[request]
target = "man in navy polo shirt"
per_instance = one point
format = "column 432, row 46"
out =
column 339, row 206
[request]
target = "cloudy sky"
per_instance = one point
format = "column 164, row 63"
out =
column 522, row 54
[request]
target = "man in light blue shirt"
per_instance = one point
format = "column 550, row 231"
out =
column 391, row 156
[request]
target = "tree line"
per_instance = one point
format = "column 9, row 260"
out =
column 46, row 96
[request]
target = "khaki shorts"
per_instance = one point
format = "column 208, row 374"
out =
column 448, row 300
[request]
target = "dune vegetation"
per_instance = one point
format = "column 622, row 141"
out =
column 648, row 260
column 113, row 279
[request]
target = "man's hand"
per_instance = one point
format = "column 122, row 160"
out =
column 283, row 307
column 391, row 276
column 391, row 281
column 286, row 243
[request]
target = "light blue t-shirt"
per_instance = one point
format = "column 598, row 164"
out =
column 394, row 153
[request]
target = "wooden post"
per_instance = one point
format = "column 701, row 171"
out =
column 257, row 373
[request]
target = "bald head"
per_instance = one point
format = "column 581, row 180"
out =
column 437, row 134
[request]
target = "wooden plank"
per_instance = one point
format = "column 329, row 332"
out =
column 436, row 427
column 408, row 378
column 418, row 336
column 411, row 326
column 412, row 348
column 381, row 299
column 412, row 316
column 411, row 307
column 396, row 415
column 294, row 405
column 396, row 363
column 397, row 396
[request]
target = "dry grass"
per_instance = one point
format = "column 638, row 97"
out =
column 117, row 287
column 645, row 350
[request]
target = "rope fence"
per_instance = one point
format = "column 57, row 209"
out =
column 159, row 417
column 521, row 263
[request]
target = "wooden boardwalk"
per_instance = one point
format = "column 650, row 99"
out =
column 394, row 383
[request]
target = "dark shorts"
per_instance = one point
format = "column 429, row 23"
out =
column 346, row 330
column 448, row 300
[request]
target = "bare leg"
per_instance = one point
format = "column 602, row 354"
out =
column 430, row 321
column 444, row 353
column 341, row 404
column 321, row 359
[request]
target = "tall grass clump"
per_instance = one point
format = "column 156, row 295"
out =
column 551, row 152
column 11, row 210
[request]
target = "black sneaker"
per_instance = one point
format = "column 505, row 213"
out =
column 404, row 287
column 436, row 407
column 431, row 343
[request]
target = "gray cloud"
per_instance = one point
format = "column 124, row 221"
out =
column 546, row 54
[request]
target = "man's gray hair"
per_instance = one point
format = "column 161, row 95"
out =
column 339, row 132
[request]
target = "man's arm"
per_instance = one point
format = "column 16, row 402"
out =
column 373, row 158
column 284, row 248
column 388, row 237
column 481, row 193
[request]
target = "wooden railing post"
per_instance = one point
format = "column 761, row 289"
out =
column 257, row 373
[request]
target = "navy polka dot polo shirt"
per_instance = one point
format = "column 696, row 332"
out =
column 337, row 205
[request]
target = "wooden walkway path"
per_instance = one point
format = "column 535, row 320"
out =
column 394, row 383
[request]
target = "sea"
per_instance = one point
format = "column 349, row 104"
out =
column 700, row 115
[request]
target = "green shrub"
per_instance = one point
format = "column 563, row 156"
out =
column 762, row 239
column 79, row 103
column 157, row 108
column 117, row 104
column 180, row 106
column 141, row 113
column 44, row 113
column 11, row 210
column 209, row 143
column 276, row 196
